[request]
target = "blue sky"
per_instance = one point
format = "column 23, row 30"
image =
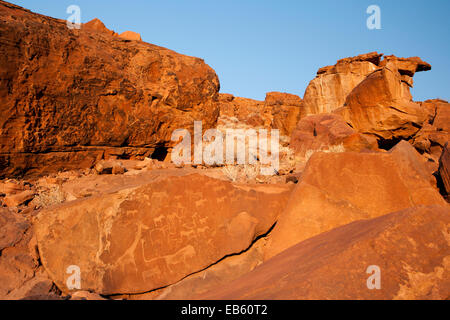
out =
column 256, row 46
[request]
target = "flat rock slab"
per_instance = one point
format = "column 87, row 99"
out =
column 411, row 248
column 143, row 238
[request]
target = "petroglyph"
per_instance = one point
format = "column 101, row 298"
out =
column 145, row 240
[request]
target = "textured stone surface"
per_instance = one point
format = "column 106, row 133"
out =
column 12, row 226
column 339, row 188
column 67, row 96
column 139, row 239
column 247, row 111
column 286, row 110
column 444, row 168
column 371, row 94
column 434, row 134
column 21, row 275
column 218, row 275
column 322, row 131
column 411, row 248
column 18, row 199
column 329, row 89
column 131, row 35
column 382, row 106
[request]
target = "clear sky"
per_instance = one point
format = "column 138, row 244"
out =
column 256, row 46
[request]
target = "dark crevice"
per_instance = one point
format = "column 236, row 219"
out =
column 440, row 185
column 160, row 153
column 388, row 144
column 199, row 271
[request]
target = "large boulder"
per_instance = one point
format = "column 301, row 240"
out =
column 150, row 236
column 434, row 134
column 69, row 96
column 235, row 111
column 339, row 188
column 325, row 131
column 371, row 94
column 97, row 25
column 285, row 109
column 13, row 227
column 21, row 275
column 131, row 35
column 328, row 91
column 381, row 105
column 410, row 250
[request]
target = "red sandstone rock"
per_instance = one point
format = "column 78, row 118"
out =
column 18, row 199
column 382, row 106
column 12, row 226
column 411, row 248
column 153, row 235
column 227, row 270
column 130, row 35
column 339, row 188
column 444, row 168
column 281, row 98
column 433, row 135
column 285, row 110
column 98, row 26
column 328, row 91
column 322, row 131
column 109, row 167
column 68, row 96
column 371, row 94
column 247, row 111
column 10, row 187
column 21, row 275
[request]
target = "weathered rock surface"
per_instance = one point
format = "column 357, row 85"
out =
column 286, row 111
column 18, row 199
column 147, row 237
column 21, row 275
column 411, row 248
column 372, row 95
column 97, row 25
column 131, row 35
column 322, row 131
column 247, row 111
column 381, row 105
column 218, row 275
column 12, row 226
column 69, row 96
column 444, row 168
column 435, row 133
column 339, row 188
column 328, row 91
column 279, row 111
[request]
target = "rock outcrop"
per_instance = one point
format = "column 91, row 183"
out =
column 435, row 133
column 339, row 188
column 444, row 169
column 70, row 96
column 413, row 264
column 361, row 181
column 328, row 91
column 131, row 35
column 324, row 131
column 285, row 109
column 21, row 275
column 97, row 25
column 139, row 239
column 381, row 105
column 372, row 95
column 279, row 111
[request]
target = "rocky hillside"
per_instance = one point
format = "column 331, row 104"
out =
column 89, row 190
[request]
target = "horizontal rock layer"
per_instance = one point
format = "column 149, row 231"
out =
column 66, row 95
